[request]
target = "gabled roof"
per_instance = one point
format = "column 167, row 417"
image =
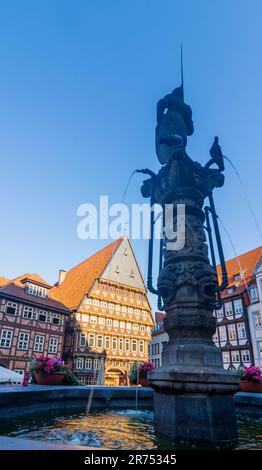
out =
column 3, row 281
column 245, row 262
column 79, row 280
column 15, row 288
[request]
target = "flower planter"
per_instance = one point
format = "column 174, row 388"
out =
column 143, row 382
column 250, row 387
column 49, row 379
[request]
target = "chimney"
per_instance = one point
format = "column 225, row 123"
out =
column 61, row 277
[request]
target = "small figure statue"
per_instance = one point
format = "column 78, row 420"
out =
column 174, row 124
column 216, row 156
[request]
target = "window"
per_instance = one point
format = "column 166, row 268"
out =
column 56, row 319
column 130, row 310
column 226, row 356
column 122, row 325
column 103, row 304
column 128, row 326
column 232, row 332
column 222, row 333
column 238, row 306
column 114, row 343
column 96, row 364
column 93, row 319
column 32, row 289
column 28, row 312
column 95, row 302
column 124, row 309
column 245, row 356
column 6, row 338
column 42, row 292
column 42, row 315
column 53, row 343
column 235, row 356
column 101, row 320
column 127, row 344
column 37, row 290
column 117, row 308
column 142, row 328
column 11, row 308
column 88, row 364
column 23, row 341
column 109, row 321
column 253, row 293
column 111, row 306
column 228, row 309
column 121, row 344
column 115, row 323
column 91, row 341
column 39, row 343
column 88, row 301
column 220, row 313
column 135, row 327
column 241, row 330
column 107, row 342
column 144, row 313
column 134, row 345
column 259, row 344
column 82, row 339
column 141, row 346
column 215, row 337
column 80, row 363
column 85, row 318
column 257, row 319
column 99, row 341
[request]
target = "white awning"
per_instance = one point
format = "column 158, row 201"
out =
column 9, row 376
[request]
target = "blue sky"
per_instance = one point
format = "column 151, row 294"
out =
column 79, row 84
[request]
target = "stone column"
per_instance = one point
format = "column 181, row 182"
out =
column 193, row 398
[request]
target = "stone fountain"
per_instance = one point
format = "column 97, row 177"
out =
column 193, row 394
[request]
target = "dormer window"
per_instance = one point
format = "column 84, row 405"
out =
column 237, row 277
column 34, row 289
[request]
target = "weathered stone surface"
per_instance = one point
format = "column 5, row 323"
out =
column 193, row 393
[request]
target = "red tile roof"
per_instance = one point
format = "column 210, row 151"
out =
column 3, row 281
column 246, row 262
column 80, row 279
column 15, row 288
column 244, row 265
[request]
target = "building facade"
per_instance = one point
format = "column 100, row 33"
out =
column 111, row 324
column 159, row 338
column 31, row 322
column 255, row 314
column 234, row 331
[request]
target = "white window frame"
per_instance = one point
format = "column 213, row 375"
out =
column 88, row 363
column 241, row 326
column 53, row 345
column 99, row 340
column 6, row 338
column 28, row 312
column 39, row 343
column 79, row 363
column 238, row 306
column 13, row 305
column 107, row 342
column 82, row 340
column 91, row 340
column 23, row 341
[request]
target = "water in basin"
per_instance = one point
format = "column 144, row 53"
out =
column 114, row 429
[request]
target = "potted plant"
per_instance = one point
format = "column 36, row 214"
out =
column 48, row 371
column 251, row 380
column 144, row 368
